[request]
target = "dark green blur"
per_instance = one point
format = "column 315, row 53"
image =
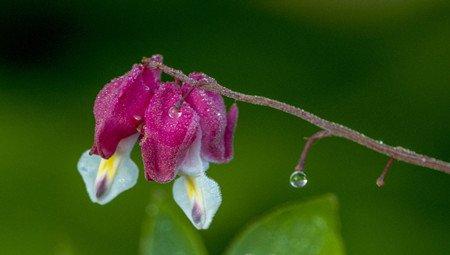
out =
column 382, row 68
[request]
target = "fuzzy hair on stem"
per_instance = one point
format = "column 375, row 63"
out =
column 333, row 129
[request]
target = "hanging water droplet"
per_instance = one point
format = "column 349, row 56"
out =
column 174, row 112
column 298, row 179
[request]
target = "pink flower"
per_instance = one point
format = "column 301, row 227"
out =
column 119, row 107
column 217, row 126
column 175, row 126
column 107, row 168
column 182, row 130
column 167, row 134
column 185, row 129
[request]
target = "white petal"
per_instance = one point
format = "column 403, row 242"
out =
column 103, row 186
column 199, row 198
column 126, row 177
column 126, row 145
column 193, row 164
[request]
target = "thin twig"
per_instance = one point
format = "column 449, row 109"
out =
column 309, row 143
column 380, row 180
column 335, row 129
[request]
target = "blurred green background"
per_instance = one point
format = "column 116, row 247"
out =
column 381, row 67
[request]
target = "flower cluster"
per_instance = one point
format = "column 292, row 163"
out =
column 180, row 129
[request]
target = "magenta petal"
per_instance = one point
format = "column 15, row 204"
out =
column 168, row 133
column 120, row 106
column 232, row 117
column 217, row 139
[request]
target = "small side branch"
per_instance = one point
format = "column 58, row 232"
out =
column 387, row 167
column 335, row 129
column 308, row 145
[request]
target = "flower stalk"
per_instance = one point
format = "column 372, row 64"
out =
column 382, row 178
column 335, row 129
column 308, row 145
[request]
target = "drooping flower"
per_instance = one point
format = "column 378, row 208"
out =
column 217, row 127
column 119, row 107
column 185, row 129
column 107, row 169
column 168, row 133
column 181, row 129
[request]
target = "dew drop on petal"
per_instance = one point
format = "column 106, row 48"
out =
column 298, row 179
column 174, row 112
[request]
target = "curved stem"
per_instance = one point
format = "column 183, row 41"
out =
column 398, row 153
column 308, row 145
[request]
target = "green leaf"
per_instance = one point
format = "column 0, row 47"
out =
column 301, row 228
column 167, row 230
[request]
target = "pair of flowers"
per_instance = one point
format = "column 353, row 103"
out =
column 181, row 129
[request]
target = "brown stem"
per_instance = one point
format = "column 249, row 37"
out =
column 308, row 145
column 380, row 180
column 183, row 98
column 335, row 129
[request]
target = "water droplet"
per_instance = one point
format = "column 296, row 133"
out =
column 298, row 179
column 137, row 117
column 174, row 112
